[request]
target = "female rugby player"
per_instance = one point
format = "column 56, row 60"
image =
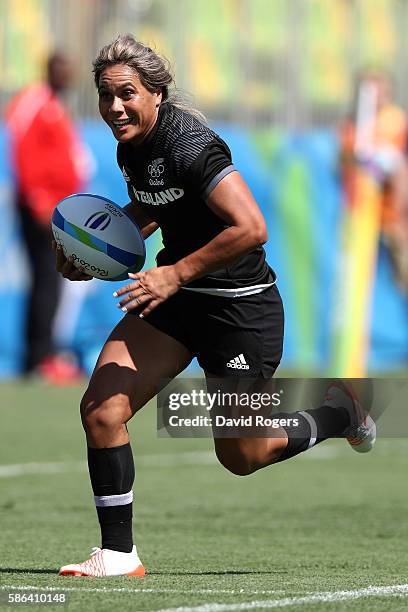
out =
column 212, row 294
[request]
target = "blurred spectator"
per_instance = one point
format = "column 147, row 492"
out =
column 48, row 164
column 376, row 136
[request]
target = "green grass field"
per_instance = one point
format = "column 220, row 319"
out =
column 293, row 536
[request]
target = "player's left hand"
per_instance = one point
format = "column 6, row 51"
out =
column 149, row 289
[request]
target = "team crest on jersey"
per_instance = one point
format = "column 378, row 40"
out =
column 155, row 169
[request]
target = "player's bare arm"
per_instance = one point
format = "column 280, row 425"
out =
column 234, row 203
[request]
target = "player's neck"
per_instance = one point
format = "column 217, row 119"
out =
column 144, row 138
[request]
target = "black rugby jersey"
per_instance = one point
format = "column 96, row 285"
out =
column 170, row 175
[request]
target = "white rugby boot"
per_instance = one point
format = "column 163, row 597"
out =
column 105, row 562
column 362, row 432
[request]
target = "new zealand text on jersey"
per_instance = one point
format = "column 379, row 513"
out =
column 159, row 197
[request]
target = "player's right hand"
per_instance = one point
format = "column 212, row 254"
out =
column 66, row 266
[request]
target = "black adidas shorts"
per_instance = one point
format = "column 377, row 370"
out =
column 229, row 336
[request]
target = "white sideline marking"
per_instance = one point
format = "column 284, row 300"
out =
column 165, row 460
column 29, row 587
column 159, row 460
column 371, row 591
column 170, row 460
column 22, row 469
column 175, row 459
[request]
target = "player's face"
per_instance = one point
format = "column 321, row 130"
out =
column 126, row 105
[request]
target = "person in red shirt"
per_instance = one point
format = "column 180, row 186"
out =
column 47, row 159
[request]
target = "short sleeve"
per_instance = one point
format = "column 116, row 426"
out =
column 203, row 167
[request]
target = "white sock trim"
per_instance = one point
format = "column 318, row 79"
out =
column 313, row 428
column 102, row 501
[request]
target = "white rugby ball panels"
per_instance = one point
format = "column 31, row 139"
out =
column 99, row 236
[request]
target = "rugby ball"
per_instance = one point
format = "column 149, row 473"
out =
column 99, row 236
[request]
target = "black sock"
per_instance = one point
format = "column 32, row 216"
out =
column 311, row 427
column 112, row 474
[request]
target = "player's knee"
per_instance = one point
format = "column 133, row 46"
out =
column 104, row 414
column 237, row 462
column 243, row 457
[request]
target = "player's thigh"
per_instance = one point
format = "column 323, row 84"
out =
column 134, row 364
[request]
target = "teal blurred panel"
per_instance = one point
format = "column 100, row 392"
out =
column 294, row 179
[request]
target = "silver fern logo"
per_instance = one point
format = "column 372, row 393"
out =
column 125, row 175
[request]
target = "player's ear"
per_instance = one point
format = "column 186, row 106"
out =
column 159, row 98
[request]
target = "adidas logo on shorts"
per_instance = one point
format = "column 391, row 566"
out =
column 238, row 363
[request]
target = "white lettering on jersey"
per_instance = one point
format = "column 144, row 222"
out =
column 159, row 197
